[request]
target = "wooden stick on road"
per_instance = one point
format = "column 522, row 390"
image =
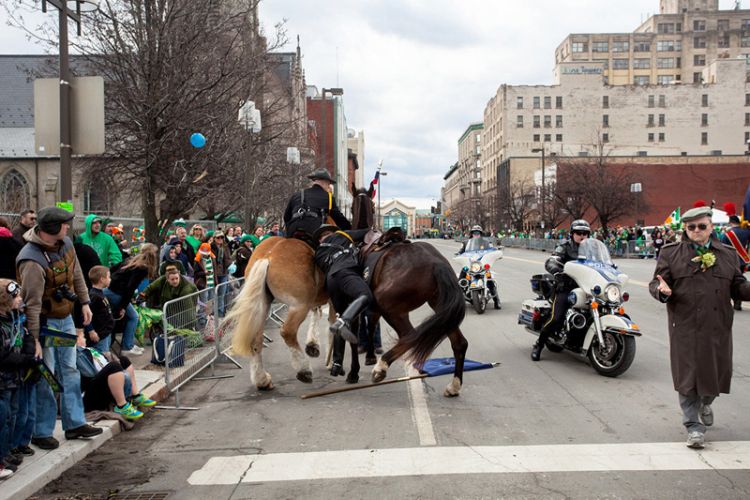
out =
column 354, row 387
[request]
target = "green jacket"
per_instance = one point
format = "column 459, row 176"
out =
column 160, row 291
column 103, row 244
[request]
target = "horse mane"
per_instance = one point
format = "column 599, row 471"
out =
column 362, row 209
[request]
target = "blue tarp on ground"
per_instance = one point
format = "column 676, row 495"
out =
column 442, row 366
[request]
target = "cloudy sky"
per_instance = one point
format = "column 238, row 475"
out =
column 416, row 73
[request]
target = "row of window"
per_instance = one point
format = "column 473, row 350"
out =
column 652, row 137
column 548, row 138
column 537, row 102
column 699, row 42
column 538, row 120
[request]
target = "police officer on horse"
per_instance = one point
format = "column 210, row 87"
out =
column 309, row 208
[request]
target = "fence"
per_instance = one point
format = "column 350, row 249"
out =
column 624, row 249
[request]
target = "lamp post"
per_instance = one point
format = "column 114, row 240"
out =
column 637, row 188
column 336, row 91
column 541, row 150
column 65, row 13
column 250, row 119
column 380, row 188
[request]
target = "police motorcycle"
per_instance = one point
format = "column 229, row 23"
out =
column 477, row 276
column 596, row 326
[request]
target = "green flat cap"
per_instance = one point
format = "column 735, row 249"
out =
column 697, row 213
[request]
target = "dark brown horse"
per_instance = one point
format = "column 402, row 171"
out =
column 407, row 276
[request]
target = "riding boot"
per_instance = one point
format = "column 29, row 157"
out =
column 738, row 305
column 536, row 351
column 343, row 325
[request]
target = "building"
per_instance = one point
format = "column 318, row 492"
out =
column 671, row 47
column 395, row 213
column 356, row 144
column 462, row 197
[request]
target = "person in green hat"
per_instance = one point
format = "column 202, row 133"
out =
column 258, row 236
column 102, row 243
column 242, row 255
column 195, row 238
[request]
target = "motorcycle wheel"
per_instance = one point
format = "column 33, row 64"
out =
column 477, row 300
column 553, row 347
column 615, row 357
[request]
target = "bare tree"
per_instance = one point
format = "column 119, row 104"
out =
column 516, row 202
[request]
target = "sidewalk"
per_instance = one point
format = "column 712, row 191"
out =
column 47, row 465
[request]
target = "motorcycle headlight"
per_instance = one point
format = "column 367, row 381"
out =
column 612, row 293
column 476, row 267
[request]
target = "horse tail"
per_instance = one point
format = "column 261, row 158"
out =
column 450, row 313
column 250, row 309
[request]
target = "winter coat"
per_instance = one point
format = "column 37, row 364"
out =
column 14, row 356
column 160, row 292
column 105, row 246
column 124, row 283
column 88, row 258
column 700, row 315
column 9, row 248
column 242, row 257
column 223, row 259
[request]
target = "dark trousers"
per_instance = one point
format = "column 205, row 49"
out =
column 555, row 323
column 344, row 286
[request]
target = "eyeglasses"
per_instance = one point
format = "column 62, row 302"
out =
column 13, row 289
column 581, row 233
column 692, row 227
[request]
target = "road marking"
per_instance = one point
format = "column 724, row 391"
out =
column 419, row 411
column 471, row 460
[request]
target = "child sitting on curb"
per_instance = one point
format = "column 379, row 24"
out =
column 99, row 332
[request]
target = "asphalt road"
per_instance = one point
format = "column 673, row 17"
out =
column 553, row 429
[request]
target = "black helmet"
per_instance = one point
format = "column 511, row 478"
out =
column 325, row 228
column 580, row 225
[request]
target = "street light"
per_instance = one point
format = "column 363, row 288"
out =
column 249, row 118
column 636, row 188
column 380, row 188
column 74, row 13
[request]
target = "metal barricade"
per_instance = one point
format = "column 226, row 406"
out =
column 225, row 294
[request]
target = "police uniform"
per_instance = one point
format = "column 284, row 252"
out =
column 308, row 209
column 742, row 239
column 336, row 256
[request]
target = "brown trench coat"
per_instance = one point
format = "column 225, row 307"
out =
column 700, row 315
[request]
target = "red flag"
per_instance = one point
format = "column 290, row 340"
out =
column 377, row 176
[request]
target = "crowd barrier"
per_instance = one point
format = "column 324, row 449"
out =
column 622, row 249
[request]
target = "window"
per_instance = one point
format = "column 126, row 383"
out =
column 699, row 25
column 641, row 46
column 641, row 80
column 519, row 102
column 650, row 101
column 650, row 121
column 641, row 63
column 704, row 100
column 678, row 27
column 747, row 137
column 704, row 138
column 536, row 102
column 723, row 41
column 580, row 47
column 558, row 102
column 704, row 120
column 478, row 150
column 747, row 99
column 620, row 46
column 745, row 41
column 547, row 121
column 547, row 102
column 599, row 46
column 661, row 136
column 662, row 120
column 651, row 137
column 605, row 120
column 536, row 137
column 662, row 101
column 698, row 77
column 583, row 153
column 537, row 121
column 479, row 137
column 558, row 121
column 722, row 24
column 746, row 24
column 699, row 42
column 678, row 63
column 605, row 101
column 15, row 193
column 641, row 153
column 558, row 138
column 605, row 137
column 620, row 63
column 547, row 137
column 665, row 62
column 665, row 28
column 668, row 46
column 747, row 119
column 699, row 60
column 519, row 121
column 603, row 62
column 664, row 79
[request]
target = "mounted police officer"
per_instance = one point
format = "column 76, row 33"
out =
column 336, row 256
column 565, row 252
column 737, row 237
column 308, row 209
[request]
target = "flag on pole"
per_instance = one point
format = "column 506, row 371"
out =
column 746, row 206
column 377, row 176
column 674, row 217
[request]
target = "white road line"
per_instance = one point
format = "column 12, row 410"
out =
column 419, row 411
column 471, row 460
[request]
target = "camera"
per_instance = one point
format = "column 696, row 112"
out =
column 63, row 292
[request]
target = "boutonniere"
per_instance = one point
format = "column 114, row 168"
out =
column 705, row 258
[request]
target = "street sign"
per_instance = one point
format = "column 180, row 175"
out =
column 86, row 115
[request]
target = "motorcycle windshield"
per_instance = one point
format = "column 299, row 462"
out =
column 593, row 250
column 479, row 245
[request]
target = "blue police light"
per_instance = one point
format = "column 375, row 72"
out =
column 597, row 290
column 572, row 298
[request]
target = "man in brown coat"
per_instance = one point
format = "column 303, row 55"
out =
column 697, row 278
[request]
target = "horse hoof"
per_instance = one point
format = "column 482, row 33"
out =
column 312, row 350
column 337, row 370
column 370, row 361
column 266, row 388
column 453, row 389
column 305, row 377
column 352, row 379
column 378, row 376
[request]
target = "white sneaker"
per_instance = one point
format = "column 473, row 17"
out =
column 695, row 440
column 5, row 473
column 135, row 351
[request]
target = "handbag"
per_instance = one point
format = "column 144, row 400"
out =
column 176, row 346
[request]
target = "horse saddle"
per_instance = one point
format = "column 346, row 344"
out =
column 374, row 245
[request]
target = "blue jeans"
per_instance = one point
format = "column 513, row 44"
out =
column 26, row 415
column 62, row 362
column 221, row 292
column 104, row 344
column 131, row 316
column 8, row 406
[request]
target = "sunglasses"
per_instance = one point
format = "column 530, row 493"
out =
column 581, row 233
column 692, row 227
column 13, row 289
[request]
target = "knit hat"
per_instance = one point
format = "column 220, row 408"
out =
column 180, row 223
column 209, row 234
column 245, row 237
column 204, row 249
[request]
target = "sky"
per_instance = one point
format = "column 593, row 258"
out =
column 417, row 73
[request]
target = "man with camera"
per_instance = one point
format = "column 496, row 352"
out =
column 51, row 281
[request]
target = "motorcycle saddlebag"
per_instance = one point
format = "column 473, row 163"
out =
column 543, row 285
column 534, row 313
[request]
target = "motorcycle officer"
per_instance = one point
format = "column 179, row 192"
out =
column 307, row 209
column 565, row 252
column 476, row 232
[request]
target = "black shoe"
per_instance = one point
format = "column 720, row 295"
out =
column 23, row 450
column 378, row 350
column 337, row 370
column 536, row 352
column 14, row 459
column 84, row 431
column 45, row 443
column 10, row 466
column 342, row 328
column 497, row 304
column 361, row 350
column 738, row 306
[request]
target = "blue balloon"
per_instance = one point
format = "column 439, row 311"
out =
column 198, row 140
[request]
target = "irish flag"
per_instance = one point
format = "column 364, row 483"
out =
column 674, row 217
